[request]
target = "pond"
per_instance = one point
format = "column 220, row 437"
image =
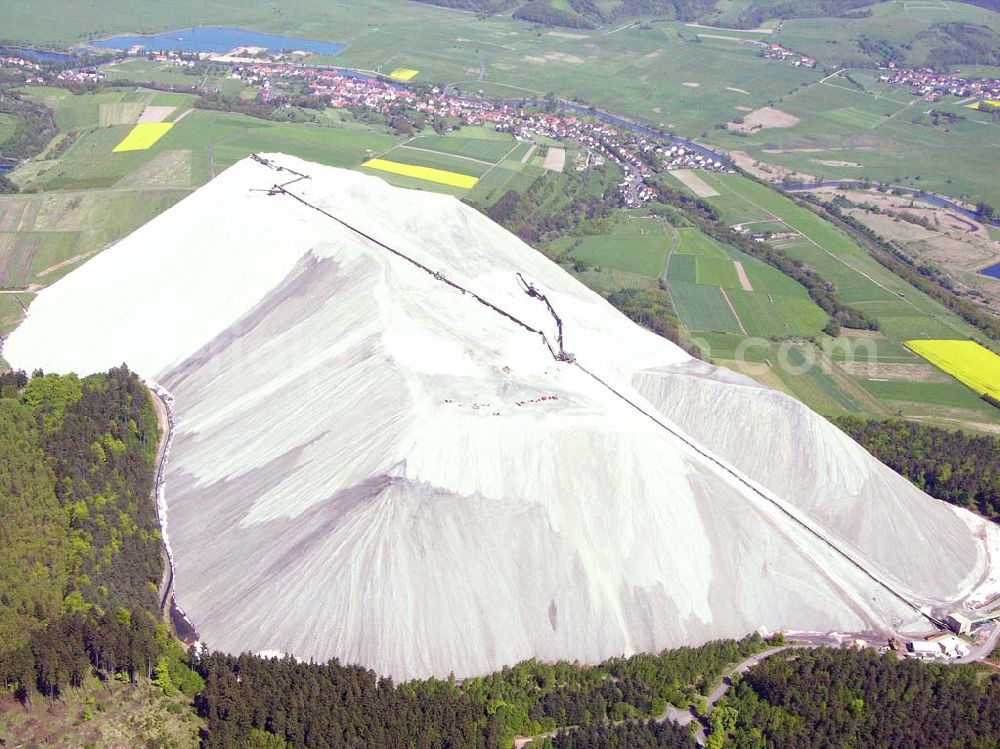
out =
column 218, row 40
column 993, row 271
column 39, row 55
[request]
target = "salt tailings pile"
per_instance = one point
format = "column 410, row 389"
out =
column 370, row 464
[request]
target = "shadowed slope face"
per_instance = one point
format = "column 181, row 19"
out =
column 370, row 464
column 801, row 458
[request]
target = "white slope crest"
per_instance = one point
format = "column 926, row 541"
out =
column 372, row 464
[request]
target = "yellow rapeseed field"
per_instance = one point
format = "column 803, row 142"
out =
column 429, row 174
column 966, row 361
column 143, row 136
column 983, row 105
column 403, row 74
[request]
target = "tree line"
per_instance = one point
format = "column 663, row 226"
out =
column 282, row 702
column 798, row 700
column 954, row 466
column 681, row 10
column 959, row 43
column 653, row 310
column 545, row 13
column 759, row 11
column 35, row 126
column 482, row 7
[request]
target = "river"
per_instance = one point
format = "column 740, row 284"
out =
column 925, row 197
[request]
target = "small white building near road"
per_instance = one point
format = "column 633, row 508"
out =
column 946, row 645
column 951, row 645
column 924, row 649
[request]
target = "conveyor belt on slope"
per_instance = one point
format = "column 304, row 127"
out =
column 560, row 355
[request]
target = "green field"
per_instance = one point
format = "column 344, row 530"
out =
column 7, row 127
column 714, row 271
column 87, row 198
column 949, row 394
column 643, row 255
column 494, row 158
column 881, row 133
column 693, row 242
column 112, row 107
column 703, row 309
column 11, row 312
column 903, row 312
column 510, row 173
column 807, row 378
column 206, row 141
column 502, row 178
column 420, row 157
column 776, row 306
column 771, row 315
column 486, row 149
column 683, row 269
column 43, row 237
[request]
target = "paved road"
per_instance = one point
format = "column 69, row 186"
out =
column 978, row 652
column 745, row 665
column 166, row 426
column 632, row 189
column 685, row 717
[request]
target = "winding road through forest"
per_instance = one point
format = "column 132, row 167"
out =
column 685, row 717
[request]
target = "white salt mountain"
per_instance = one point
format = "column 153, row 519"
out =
column 372, row 465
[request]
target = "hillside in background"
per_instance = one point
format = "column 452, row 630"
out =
column 747, row 15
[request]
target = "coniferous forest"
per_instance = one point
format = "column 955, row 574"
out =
column 651, row 735
column 79, row 538
column 960, row 468
column 850, row 698
column 333, row 705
